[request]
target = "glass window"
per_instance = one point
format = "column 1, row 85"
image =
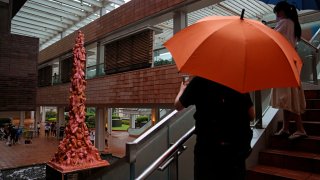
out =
column 162, row 57
column 91, row 62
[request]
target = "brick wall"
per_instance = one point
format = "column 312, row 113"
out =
column 18, row 72
column 126, row 14
column 145, row 87
column 158, row 85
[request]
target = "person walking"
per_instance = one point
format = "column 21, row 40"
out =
column 38, row 128
column 291, row 100
column 47, row 129
column 222, row 128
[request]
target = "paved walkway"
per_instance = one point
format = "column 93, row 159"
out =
column 43, row 148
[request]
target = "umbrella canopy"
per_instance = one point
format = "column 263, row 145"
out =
column 242, row 54
column 299, row 4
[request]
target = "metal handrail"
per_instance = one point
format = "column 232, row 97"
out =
column 310, row 45
column 167, row 156
column 131, row 147
column 314, row 60
column 314, row 36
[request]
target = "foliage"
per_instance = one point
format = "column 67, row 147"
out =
column 126, row 122
column 90, row 119
column 90, row 110
column 142, row 119
column 124, row 127
column 51, row 114
column 114, row 116
column 163, row 62
column 53, row 119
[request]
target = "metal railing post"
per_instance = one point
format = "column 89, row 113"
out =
column 258, row 109
column 132, row 170
column 314, row 68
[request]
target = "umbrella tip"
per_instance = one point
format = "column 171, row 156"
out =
column 242, row 14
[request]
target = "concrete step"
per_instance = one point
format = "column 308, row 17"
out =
column 309, row 144
column 293, row 160
column 308, row 115
column 312, row 128
column 313, row 103
column 262, row 172
column 312, row 94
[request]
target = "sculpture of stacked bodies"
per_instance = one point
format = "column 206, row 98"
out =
column 76, row 151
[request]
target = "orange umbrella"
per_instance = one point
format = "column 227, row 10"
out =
column 242, row 54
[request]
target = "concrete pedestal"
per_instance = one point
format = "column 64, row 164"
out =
column 54, row 174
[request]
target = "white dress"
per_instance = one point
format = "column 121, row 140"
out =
column 291, row 98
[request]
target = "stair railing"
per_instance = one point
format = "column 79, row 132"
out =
column 159, row 137
column 305, row 46
column 169, row 156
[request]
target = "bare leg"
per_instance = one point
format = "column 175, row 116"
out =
column 284, row 131
column 285, row 125
column 300, row 132
column 299, row 124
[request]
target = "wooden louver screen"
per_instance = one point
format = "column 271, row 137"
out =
column 66, row 69
column 45, row 76
column 130, row 53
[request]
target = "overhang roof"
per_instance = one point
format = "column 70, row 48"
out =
column 51, row 20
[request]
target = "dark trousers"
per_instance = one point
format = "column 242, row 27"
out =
column 222, row 162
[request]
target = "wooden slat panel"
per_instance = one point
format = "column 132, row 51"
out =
column 66, row 69
column 45, row 76
column 18, row 72
column 133, row 52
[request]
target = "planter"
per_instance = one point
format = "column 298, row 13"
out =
column 116, row 122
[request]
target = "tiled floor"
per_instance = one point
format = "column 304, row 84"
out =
column 42, row 149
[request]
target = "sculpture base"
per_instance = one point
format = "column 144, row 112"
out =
column 53, row 172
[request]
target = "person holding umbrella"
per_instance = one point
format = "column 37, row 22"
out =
column 289, row 99
column 228, row 58
column 222, row 128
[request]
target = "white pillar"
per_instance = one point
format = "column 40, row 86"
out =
column 32, row 115
column 132, row 121
column 22, row 117
column 100, row 132
column 32, row 118
column 43, row 114
column 109, row 120
column 179, row 21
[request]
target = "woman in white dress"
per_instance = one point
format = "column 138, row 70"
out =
column 289, row 99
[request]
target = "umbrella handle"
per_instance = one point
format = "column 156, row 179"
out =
column 242, row 14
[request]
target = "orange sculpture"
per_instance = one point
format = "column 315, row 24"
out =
column 76, row 151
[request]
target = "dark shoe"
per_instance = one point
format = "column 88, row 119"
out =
column 282, row 133
column 296, row 135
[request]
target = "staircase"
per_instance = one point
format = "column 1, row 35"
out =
column 299, row 159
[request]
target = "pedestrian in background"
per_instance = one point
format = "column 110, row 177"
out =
column 291, row 100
